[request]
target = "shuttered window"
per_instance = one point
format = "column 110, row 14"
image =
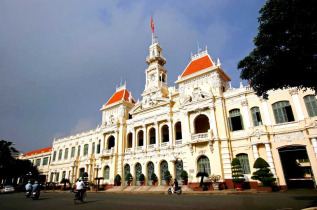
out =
column 244, row 160
column 107, row 172
column 60, row 154
column 283, row 112
column 204, row 165
column 256, row 116
column 235, row 120
column 66, row 154
column 73, row 152
column 85, row 149
column 311, row 105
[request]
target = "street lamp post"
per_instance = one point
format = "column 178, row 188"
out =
column 97, row 178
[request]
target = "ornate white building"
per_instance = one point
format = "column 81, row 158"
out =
column 201, row 125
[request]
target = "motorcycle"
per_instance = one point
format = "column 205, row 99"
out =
column 171, row 190
column 35, row 195
column 28, row 193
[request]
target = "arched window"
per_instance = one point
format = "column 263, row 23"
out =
column 165, row 134
column 98, row 146
column 311, row 105
column 140, row 138
column 178, row 130
column 110, row 142
column 244, row 160
column 78, row 151
column 60, row 154
column 201, row 124
column 129, row 143
column 85, row 149
column 256, row 116
column 282, row 112
column 54, row 155
column 235, row 120
column 66, row 154
column 107, row 172
column 93, row 146
column 204, row 165
column 152, row 136
column 126, row 171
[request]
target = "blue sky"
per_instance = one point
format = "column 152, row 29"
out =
column 60, row 61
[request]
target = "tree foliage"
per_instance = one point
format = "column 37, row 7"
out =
column 14, row 168
column 237, row 175
column 154, row 177
column 263, row 173
column 167, row 176
column 285, row 53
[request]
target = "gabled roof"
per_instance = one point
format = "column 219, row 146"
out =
column 120, row 95
column 40, row 151
column 198, row 65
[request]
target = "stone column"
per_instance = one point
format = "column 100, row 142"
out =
column 246, row 114
column 213, row 122
column 314, row 143
column 102, row 144
column 89, row 148
column 266, row 112
column 299, row 111
column 116, row 142
column 186, row 128
column 157, row 135
column 255, row 151
column 144, row 137
column 170, row 133
column 226, row 160
column 133, row 138
column 270, row 158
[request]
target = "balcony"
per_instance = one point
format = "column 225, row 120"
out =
column 139, row 149
column 151, row 146
column 200, row 137
column 128, row 150
column 178, row 142
column 108, row 152
column 150, row 58
column 165, row 144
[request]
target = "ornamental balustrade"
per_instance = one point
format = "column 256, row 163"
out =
column 107, row 152
column 154, row 56
column 164, row 144
column 139, row 148
column 128, row 150
column 178, row 142
column 151, row 146
column 200, row 136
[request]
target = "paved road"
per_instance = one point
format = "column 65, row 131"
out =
column 298, row 199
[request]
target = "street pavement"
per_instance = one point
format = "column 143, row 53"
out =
column 291, row 199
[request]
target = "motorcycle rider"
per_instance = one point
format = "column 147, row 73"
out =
column 175, row 185
column 80, row 187
column 36, row 188
column 28, row 187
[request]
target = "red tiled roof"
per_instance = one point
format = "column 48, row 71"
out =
column 47, row 149
column 198, row 65
column 120, row 95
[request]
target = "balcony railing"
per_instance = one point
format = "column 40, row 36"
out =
column 151, row 146
column 139, row 148
column 165, row 144
column 179, row 142
column 200, row 136
column 128, row 150
column 155, row 56
column 107, row 152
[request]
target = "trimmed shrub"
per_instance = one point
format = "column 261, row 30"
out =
column 237, row 175
column 263, row 173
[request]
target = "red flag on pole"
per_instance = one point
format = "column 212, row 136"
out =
column 152, row 25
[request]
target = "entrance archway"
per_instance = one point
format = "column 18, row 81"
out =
column 164, row 167
column 296, row 167
column 179, row 168
column 126, row 171
column 150, row 171
column 138, row 171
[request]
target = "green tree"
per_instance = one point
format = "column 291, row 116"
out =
column 285, row 53
column 202, row 175
column 237, row 175
column 263, row 173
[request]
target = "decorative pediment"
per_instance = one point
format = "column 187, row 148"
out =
column 196, row 95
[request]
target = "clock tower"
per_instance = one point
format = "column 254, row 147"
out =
column 156, row 74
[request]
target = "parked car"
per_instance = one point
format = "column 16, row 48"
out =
column 7, row 189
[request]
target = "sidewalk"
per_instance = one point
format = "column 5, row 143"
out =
column 163, row 190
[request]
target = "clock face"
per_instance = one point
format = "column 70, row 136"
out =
column 152, row 77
